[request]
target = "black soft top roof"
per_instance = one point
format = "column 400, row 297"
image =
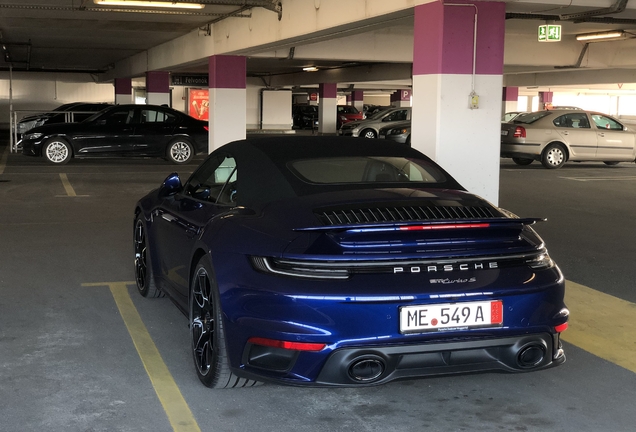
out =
column 264, row 176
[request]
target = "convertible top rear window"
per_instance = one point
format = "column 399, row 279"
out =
column 365, row 169
column 530, row 117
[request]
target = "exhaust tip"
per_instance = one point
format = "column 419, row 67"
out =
column 366, row 369
column 531, row 356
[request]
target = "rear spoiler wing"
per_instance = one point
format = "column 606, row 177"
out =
column 426, row 225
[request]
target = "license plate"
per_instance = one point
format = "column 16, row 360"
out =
column 450, row 316
column 504, row 132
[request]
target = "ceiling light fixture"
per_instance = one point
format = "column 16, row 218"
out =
column 602, row 36
column 149, row 4
column 310, row 69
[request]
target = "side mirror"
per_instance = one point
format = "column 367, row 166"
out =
column 170, row 186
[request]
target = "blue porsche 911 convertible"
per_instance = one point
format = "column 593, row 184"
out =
column 328, row 261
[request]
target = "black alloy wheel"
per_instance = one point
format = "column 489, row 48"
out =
column 207, row 333
column 143, row 270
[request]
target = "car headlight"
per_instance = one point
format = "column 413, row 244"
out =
column 27, row 125
column 398, row 131
column 32, row 136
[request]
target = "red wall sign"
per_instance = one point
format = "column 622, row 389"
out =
column 199, row 101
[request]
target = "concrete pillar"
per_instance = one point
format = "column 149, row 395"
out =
column 228, row 99
column 401, row 98
column 158, row 88
column 457, row 85
column 327, row 110
column 509, row 99
column 357, row 99
column 545, row 100
column 123, row 91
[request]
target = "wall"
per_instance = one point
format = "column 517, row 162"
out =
column 46, row 91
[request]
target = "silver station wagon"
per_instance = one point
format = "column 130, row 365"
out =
column 555, row 137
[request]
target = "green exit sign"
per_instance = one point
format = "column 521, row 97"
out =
column 549, row 33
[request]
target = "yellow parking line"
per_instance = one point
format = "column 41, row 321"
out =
column 601, row 324
column 67, row 185
column 175, row 406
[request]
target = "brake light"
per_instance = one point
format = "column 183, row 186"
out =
column 297, row 346
column 561, row 327
column 207, row 128
column 520, row 132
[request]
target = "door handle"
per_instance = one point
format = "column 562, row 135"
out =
column 601, row 134
column 168, row 217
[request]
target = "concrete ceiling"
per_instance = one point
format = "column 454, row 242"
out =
column 78, row 35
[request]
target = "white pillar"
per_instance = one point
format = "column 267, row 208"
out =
column 228, row 100
column 327, row 109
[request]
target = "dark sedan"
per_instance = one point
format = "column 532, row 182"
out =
column 122, row 130
column 334, row 262
column 68, row 113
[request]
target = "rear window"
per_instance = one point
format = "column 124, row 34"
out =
column 347, row 109
column 365, row 169
column 529, row 118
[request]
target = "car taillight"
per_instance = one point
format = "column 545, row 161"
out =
column 298, row 346
column 207, row 128
column 520, row 132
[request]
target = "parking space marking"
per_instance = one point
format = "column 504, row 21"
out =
column 175, row 406
column 586, row 179
column 70, row 192
column 601, row 324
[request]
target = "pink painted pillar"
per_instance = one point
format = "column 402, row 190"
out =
column 458, row 53
column 158, row 88
column 123, row 91
column 509, row 99
column 357, row 99
column 327, row 109
column 228, row 103
column 401, row 98
column 545, row 100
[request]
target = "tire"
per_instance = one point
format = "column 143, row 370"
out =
column 143, row 270
column 408, row 141
column 180, row 151
column 57, row 151
column 368, row 133
column 522, row 161
column 611, row 163
column 554, row 156
column 207, row 332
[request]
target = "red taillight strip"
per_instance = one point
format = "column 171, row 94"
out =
column 561, row 327
column 443, row 226
column 421, row 227
column 207, row 128
column 297, row 346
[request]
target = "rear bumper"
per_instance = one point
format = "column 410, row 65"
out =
column 359, row 366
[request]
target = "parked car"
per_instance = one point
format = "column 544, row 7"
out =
column 509, row 116
column 346, row 114
column 399, row 133
column 554, row 137
column 122, row 130
column 371, row 110
column 325, row 261
column 305, row 116
column 370, row 128
column 74, row 112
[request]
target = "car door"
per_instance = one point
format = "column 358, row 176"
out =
column 614, row 141
column 575, row 131
column 153, row 132
column 210, row 191
column 108, row 134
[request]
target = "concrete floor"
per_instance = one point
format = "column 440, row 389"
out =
column 67, row 362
